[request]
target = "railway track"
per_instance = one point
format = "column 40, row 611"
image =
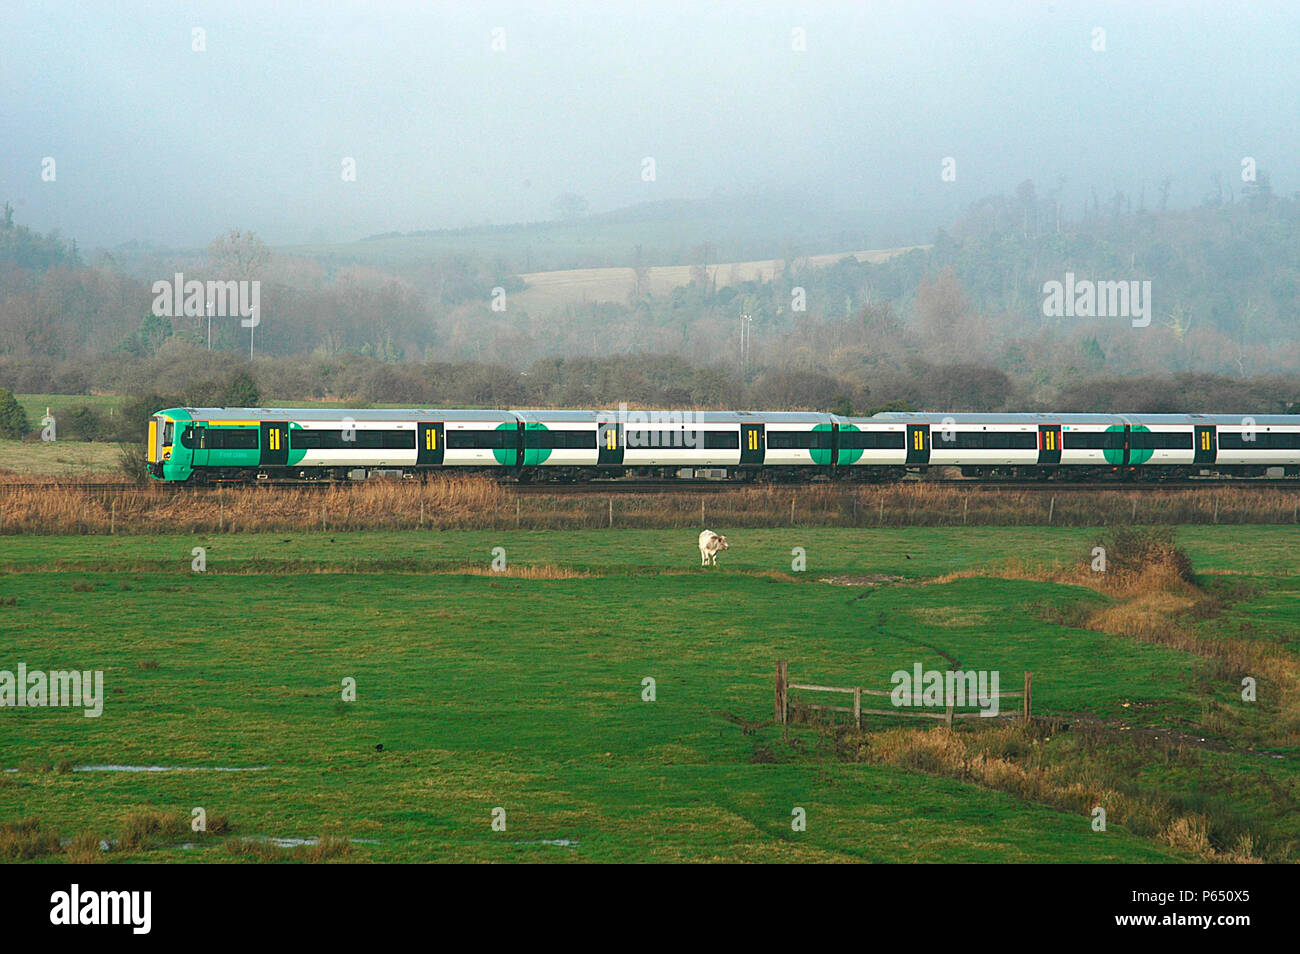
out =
column 622, row 487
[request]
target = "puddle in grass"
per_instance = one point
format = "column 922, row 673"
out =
column 156, row 768
column 288, row 842
column 167, row 768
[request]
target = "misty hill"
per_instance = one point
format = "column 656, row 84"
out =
column 668, row 232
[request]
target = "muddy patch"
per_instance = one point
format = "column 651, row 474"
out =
column 871, row 579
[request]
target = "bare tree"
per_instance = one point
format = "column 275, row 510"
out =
column 239, row 253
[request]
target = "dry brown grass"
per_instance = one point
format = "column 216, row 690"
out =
column 545, row 571
column 324, row 848
column 1156, row 599
column 1008, row 759
column 145, row 829
column 85, row 849
column 483, row 503
column 26, row 839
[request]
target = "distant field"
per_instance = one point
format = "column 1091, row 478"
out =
column 663, row 236
column 36, row 404
column 523, row 691
column 575, row 286
column 64, row 458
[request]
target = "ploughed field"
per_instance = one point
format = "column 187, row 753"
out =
column 522, row 690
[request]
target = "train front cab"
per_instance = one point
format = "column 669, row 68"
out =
column 160, row 444
column 166, row 458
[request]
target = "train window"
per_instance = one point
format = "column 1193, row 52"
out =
column 1161, row 440
column 1092, row 440
column 301, row 439
column 481, row 440
column 1263, row 441
column 685, row 438
column 873, row 440
column 987, row 440
column 560, row 440
column 721, row 440
column 228, row 438
column 798, row 440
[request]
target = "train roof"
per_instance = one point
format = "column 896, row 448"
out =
column 337, row 414
column 931, row 417
column 723, row 417
column 1219, row 420
column 1149, row 420
column 661, row 417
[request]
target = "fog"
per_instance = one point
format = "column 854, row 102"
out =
column 156, row 142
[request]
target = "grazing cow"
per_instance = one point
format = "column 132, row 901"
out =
column 710, row 544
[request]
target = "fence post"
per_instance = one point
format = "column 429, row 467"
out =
column 1029, row 683
column 112, row 516
column 1051, row 509
column 781, row 682
column 947, row 716
column 857, row 707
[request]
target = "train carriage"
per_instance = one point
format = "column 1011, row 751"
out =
column 1096, row 442
column 792, row 439
column 875, row 442
column 1250, row 444
column 674, row 440
column 313, row 444
column 554, row 440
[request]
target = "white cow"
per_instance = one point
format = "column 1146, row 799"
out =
column 710, row 544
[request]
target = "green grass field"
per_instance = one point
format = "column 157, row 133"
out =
column 524, row 693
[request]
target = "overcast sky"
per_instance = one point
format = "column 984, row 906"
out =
column 156, row 142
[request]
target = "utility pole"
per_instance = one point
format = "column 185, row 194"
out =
column 746, row 337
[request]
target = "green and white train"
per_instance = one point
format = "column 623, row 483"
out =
column 202, row 444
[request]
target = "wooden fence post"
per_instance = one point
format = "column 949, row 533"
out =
column 947, row 716
column 1029, row 682
column 857, row 707
column 781, row 682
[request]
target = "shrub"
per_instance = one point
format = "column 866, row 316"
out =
column 13, row 419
